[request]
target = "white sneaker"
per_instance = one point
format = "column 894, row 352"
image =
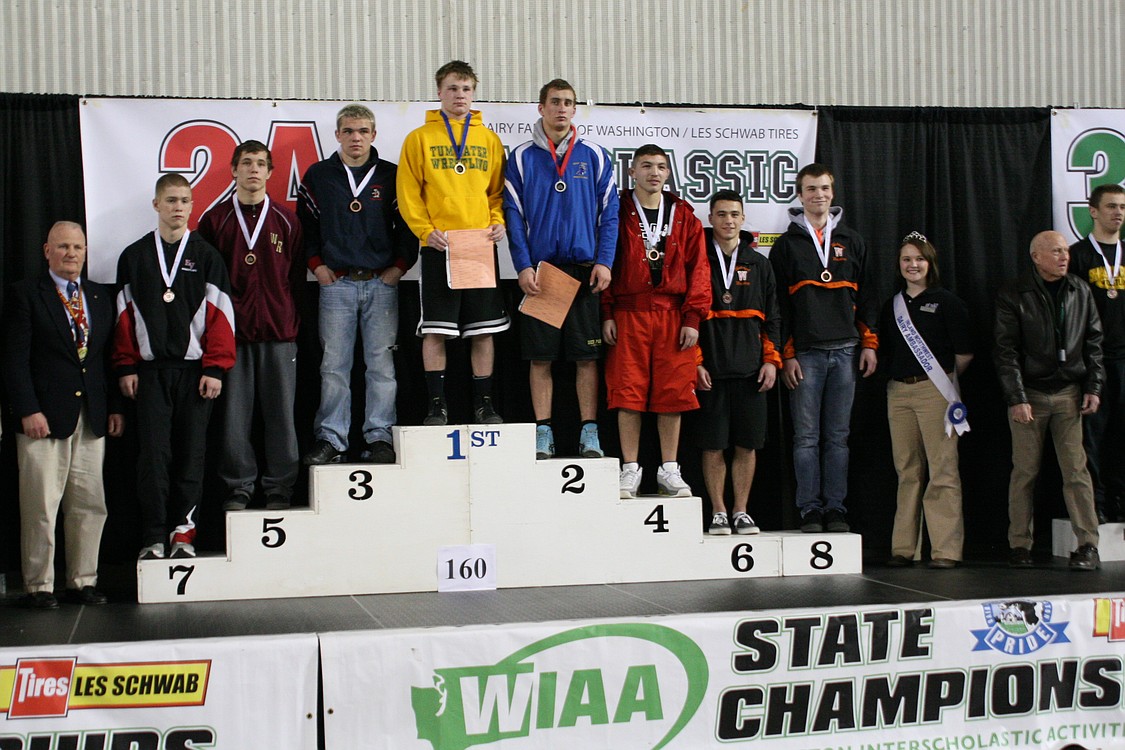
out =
column 152, row 552
column 670, row 483
column 182, row 549
column 719, row 525
column 630, row 481
column 744, row 524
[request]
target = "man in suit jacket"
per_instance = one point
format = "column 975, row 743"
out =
column 55, row 366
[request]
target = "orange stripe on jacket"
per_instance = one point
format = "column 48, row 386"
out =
column 867, row 338
column 829, row 285
column 712, row 314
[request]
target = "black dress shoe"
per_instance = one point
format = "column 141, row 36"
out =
column 323, row 452
column 86, row 595
column 39, row 600
column 1020, row 557
column 379, row 452
column 899, row 561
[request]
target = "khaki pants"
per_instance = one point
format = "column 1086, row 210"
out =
column 916, row 412
column 1059, row 412
column 61, row 473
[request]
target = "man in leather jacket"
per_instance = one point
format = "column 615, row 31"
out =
column 1049, row 359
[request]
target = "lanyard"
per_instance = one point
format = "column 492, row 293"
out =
column 169, row 276
column 252, row 239
column 566, row 159
column 727, row 271
column 652, row 236
column 458, row 149
column 821, row 250
column 355, row 205
column 1112, row 280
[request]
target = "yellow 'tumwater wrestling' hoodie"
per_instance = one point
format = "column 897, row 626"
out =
column 431, row 195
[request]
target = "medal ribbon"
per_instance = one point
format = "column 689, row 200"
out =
column 956, row 415
column 652, row 238
column 1112, row 281
column 727, row 271
column 252, row 239
column 170, row 276
column 351, row 182
column 569, row 151
column 821, row 250
column 459, row 150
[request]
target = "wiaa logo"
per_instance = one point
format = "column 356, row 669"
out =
column 521, row 694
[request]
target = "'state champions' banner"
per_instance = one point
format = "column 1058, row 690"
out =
column 128, row 143
column 161, row 695
column 1014, row 673
column 1087, row 150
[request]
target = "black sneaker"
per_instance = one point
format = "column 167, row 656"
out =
column 812, row 522
column 323, row 452
column 438, row 414
column 379, row 452
column 835, row 523
column 277, row 502
column 1020, row 557
column 485, row 414
column 238, row 500
column 1085, row 558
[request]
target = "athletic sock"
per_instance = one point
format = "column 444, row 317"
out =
column 482, row 386
column 435, row 383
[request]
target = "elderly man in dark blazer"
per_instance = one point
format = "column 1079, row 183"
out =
column 58, row 327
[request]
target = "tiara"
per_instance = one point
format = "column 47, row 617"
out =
column 915, row 236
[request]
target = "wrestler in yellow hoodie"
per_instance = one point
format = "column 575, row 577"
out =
column 432, row 194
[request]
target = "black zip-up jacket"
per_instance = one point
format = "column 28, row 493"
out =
column 1028, row 342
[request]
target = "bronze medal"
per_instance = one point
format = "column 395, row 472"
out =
column 355, row 206
column 251, row 259
column 826, row 276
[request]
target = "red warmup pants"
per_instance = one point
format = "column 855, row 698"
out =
column 645, row 370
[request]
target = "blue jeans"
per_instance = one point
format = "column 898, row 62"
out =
column 821, row 406
column 372, row 307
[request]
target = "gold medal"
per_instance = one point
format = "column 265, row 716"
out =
column 459, row 168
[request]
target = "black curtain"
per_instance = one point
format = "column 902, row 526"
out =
column 977, row 183
column 40, row 183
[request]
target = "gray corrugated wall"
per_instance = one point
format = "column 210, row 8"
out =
column 953, row 53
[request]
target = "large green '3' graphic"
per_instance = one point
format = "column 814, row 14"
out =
column 1100, row 155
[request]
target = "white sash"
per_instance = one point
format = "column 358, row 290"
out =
column 956, row 416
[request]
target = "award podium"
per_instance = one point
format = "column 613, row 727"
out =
column 402, row 527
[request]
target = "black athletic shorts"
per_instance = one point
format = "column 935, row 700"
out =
column 733, row 412
column 457, row 312
column 579, row 339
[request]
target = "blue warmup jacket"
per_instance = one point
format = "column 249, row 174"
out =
column 576, row 226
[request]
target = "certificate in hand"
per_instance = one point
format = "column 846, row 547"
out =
column 469, row 261
column 557, row 290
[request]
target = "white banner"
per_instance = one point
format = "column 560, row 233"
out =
column 1030, row 673
column 1087, row 150
column 241, row 693
column 128, row 143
